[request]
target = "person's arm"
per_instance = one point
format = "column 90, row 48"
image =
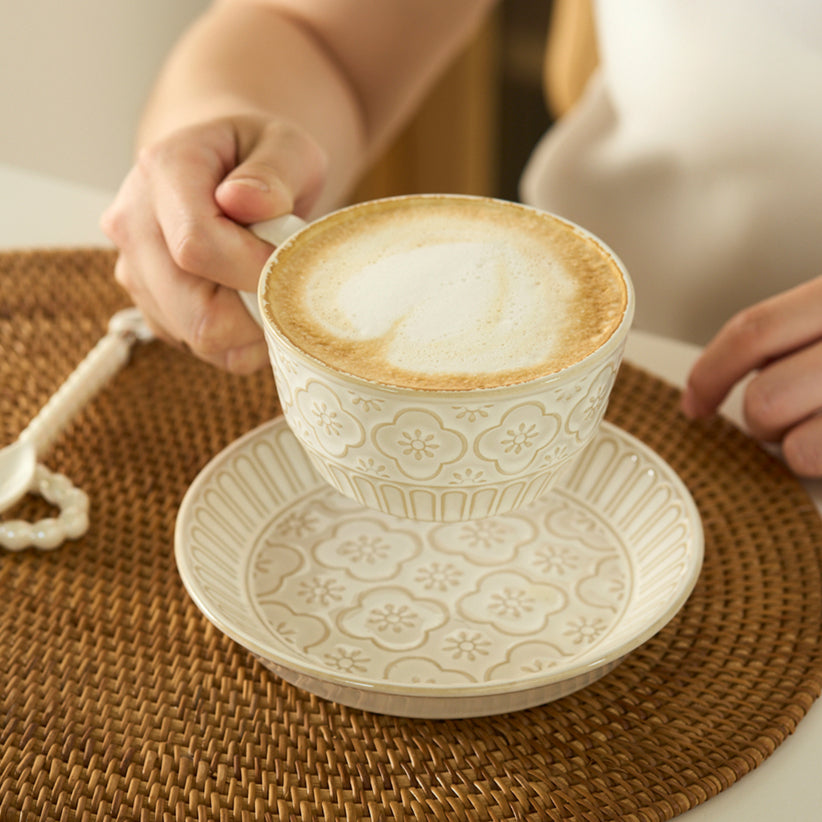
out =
column 779, row 342
column 264, row 106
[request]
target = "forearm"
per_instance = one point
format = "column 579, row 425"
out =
column 244, row 58
column 349, row 72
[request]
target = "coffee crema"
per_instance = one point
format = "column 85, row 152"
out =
column 445, row 293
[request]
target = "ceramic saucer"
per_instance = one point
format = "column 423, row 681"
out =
column 429, row 619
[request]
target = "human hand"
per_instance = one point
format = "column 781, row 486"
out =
column 779, row 341
column 178, row 223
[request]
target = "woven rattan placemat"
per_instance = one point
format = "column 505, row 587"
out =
column 119, row 700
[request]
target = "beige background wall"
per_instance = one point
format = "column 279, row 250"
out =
column 74, row 77
column 75, row 74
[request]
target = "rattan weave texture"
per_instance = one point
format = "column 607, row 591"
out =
column 119, row 700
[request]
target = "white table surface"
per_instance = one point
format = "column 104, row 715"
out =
column 40, row 211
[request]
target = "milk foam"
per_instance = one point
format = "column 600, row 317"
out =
column 443, row 300
column 471, row 307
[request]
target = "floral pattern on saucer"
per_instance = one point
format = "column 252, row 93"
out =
column 388, row 590
column 392, row 614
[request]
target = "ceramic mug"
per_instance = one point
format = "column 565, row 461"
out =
column 436, row 455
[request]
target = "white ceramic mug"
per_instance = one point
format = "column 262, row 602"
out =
column 431, row 454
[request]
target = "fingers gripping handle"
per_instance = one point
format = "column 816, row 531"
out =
column 276, row 232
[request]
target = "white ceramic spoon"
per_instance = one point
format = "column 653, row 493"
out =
column 19, row 460
column 20, row 471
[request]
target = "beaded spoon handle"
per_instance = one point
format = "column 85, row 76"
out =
column 20, row 472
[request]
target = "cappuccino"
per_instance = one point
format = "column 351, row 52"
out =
column 445, row 293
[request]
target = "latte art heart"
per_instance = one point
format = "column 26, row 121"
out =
column 446, row 294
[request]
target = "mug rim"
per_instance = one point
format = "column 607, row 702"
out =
column 604, row 352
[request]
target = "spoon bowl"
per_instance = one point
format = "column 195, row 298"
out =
column 19, row 460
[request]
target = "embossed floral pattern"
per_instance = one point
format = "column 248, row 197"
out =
column 365, row 404
column 370, row 466
column 466, row 644
column 284, row 369
column 419, row 670
column 484, row 541
column 521, row 437
column 365, row 548
column 326, row 418
column 470, row 476
column 438, row 575
column 285, row 632
column 347, row 660
column 322, row 591
column 419, row 444
column 472, row 413
column 392, row 618
column 329, row 428
column 444, row 456
column 329, row 587
column 370, row 549
column 513, row 603
column 582, row 523
column 484, row 533
column 588, row 412
column 530, row 658
column 298, row 524
column 585, row 629
column 556, row 559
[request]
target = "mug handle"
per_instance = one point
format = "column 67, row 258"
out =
column 276, row 232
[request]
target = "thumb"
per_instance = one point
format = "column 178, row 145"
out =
column 282, row 170
column 246, row 196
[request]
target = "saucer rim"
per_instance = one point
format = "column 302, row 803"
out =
column 377, row 695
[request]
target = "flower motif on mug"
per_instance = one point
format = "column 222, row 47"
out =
column 326, row 418
column 419, row 444
column 282, row 366
column 556, row 454
column 327, row 426
column 365, row 404
column 283, row 390
column 588, row 412
column 469, row 476
column 569, row 392
column 370, row 466
column 520, row 438
column 472, row 413
column 522, row 434
column 286, row 364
